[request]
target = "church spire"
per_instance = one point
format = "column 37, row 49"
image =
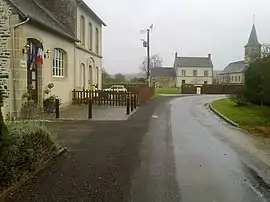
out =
column 253, row 38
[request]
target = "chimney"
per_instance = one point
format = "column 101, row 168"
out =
column 209, row 55
column 175, row 54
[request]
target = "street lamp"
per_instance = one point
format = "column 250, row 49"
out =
column 146, row 44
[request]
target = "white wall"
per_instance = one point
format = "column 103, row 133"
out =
column 190, row 79
column 62, row 85
column 232, row 78
column 87, row 57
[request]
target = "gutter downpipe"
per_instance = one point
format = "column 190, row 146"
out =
column 13, row 66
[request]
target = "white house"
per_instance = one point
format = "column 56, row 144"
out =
column 193, row 70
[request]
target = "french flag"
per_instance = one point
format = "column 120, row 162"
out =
column 39, row 60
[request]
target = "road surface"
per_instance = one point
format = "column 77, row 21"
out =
column 191, row 155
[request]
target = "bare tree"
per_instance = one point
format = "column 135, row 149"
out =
column 155, row 61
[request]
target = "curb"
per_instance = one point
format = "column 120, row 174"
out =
column 222, row 116
column 10, row 191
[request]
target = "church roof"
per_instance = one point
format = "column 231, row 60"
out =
column 163, row 72
column 234, row 67
column 253, row 38
column 193, row 62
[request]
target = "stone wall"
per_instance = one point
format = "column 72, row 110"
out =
column 5, row 49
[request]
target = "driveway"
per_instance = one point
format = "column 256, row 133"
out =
column 172, row 149
column 190, row 155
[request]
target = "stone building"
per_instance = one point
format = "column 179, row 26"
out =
column 48, row 41
column 163, row 77
column 235, row 71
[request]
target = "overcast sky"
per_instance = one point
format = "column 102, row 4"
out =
column 190, row 27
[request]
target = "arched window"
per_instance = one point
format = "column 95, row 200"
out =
column 83, row 75
column 97, row 41
column 59, row 62
column 97, row 72
column 90, row 79
column 82, row 30
column 90, row 37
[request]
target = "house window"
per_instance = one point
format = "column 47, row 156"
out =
column 239, row 78
column 97, row 41
column 205, row 73
column 59, row 62
column 194, row 72
column 235, row 78
column 82, row 30
column 183, row 72
column 97, row 75
column 83, row 75
column 232, row 78
column 183, row 81
column 205, row 82
column 90, row 37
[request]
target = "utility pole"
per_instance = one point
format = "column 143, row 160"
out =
column 148, row 57
column 146, row 44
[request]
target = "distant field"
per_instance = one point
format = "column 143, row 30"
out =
column 167, row 91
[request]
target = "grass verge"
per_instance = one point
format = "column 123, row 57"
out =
column 254, row 118
column 167, row 91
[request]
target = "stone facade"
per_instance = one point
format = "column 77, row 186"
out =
column 5, row 53
column 164, row 82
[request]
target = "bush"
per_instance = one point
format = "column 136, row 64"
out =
column 28, row 145
column 3, row 128
column 257, row 81
column 238, row 97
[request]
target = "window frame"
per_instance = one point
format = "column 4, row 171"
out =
column 194, row 73
column 97, row 41
column 206, row 73
column 90, row 36
column 183, row 72
column 59, row 63
column 82, row 30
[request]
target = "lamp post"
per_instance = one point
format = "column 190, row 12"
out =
column 146, row 44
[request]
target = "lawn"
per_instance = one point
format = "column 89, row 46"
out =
column 252, row 117
column 167, row 91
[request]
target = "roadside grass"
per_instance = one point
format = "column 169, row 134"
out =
column 167, row 91
column 254, row 118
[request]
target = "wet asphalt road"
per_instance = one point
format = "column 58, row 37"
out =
column 187, row 156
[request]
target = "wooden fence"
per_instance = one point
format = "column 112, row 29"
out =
column 101, row 97
column 112, row 98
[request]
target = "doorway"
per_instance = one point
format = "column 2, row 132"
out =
column 34, row 62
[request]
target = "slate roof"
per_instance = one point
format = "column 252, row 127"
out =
column 40, row 15
column 193, row 62
column 163, row 72
column 253, row 38
column 234, row 67
column 90, row 11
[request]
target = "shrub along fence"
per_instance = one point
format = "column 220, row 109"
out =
column 212, row 88
column 220, row 88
